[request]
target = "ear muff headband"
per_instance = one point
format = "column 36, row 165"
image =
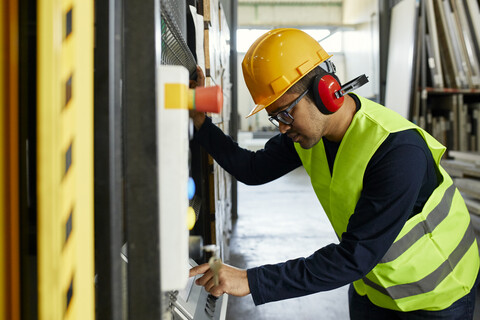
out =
column 328, row 94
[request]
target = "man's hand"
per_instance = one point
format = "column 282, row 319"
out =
column 200, row 82
column 231, row 280
column 198, row 117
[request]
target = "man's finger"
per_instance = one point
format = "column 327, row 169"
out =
column 199, row 269
column 204, row 279
column 209, row 285
column 200, row 77
column 200, row 71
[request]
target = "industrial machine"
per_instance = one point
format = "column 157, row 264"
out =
column 99, row 163
column 173, row 130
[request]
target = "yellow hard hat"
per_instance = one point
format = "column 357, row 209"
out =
column 276, row 61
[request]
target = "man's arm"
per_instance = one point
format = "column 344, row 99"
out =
column 277, row 158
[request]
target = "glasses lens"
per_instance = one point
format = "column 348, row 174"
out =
column 274, row 121
column 284, row 117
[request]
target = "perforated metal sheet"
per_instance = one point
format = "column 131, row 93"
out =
column 175, row 50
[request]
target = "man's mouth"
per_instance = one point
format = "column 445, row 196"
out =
column 295, row 137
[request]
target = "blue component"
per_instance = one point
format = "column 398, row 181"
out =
column 191, row 188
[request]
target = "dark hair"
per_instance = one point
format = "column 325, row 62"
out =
column 307, row 80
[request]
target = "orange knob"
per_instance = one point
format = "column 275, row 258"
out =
column 206, row 99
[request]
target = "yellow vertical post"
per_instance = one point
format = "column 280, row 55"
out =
column 3, row 169
column 9, row 205
column 48, row 160
column 83, row 90
column 65, row 159
column 13, row 169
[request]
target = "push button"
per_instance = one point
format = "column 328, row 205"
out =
column 210, row 305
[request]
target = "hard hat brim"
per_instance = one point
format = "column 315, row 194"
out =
column 265, row 103
column 256, row 109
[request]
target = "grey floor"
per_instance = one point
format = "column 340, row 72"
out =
column 278, row 221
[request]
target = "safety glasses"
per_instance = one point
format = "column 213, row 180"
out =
column 284, row 116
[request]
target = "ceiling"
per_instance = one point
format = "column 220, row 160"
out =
column 288, row 13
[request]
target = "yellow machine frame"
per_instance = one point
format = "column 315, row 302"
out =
column 9, row 179
column 65, row 159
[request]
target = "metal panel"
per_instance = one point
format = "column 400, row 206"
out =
column 174, row 49
column 233, row 79
column 142, row 55
column 172, row 155
column 27, row 157
column 403, row 31
column 108, row 160
column 65, row 159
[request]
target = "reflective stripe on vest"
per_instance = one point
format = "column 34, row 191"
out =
column 434, row 260
column 422, row 228
column 431, row 281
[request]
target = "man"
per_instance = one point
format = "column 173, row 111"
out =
column 406, row 242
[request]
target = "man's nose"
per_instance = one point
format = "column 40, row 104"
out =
column 283, row 127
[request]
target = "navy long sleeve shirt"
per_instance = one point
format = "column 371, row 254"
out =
column 398, row 181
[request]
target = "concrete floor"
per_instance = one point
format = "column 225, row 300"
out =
column 278, row 221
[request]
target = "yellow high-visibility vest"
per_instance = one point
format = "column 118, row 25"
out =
column 434, row 260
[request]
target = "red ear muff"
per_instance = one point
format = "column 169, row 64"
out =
column 328, row 94
column 324, row 89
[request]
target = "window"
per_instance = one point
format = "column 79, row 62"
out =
column 330, row 41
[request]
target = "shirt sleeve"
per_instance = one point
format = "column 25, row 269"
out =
column 276, row 159
column 392, row 183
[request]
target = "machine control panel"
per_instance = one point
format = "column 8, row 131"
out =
column 194, row 302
